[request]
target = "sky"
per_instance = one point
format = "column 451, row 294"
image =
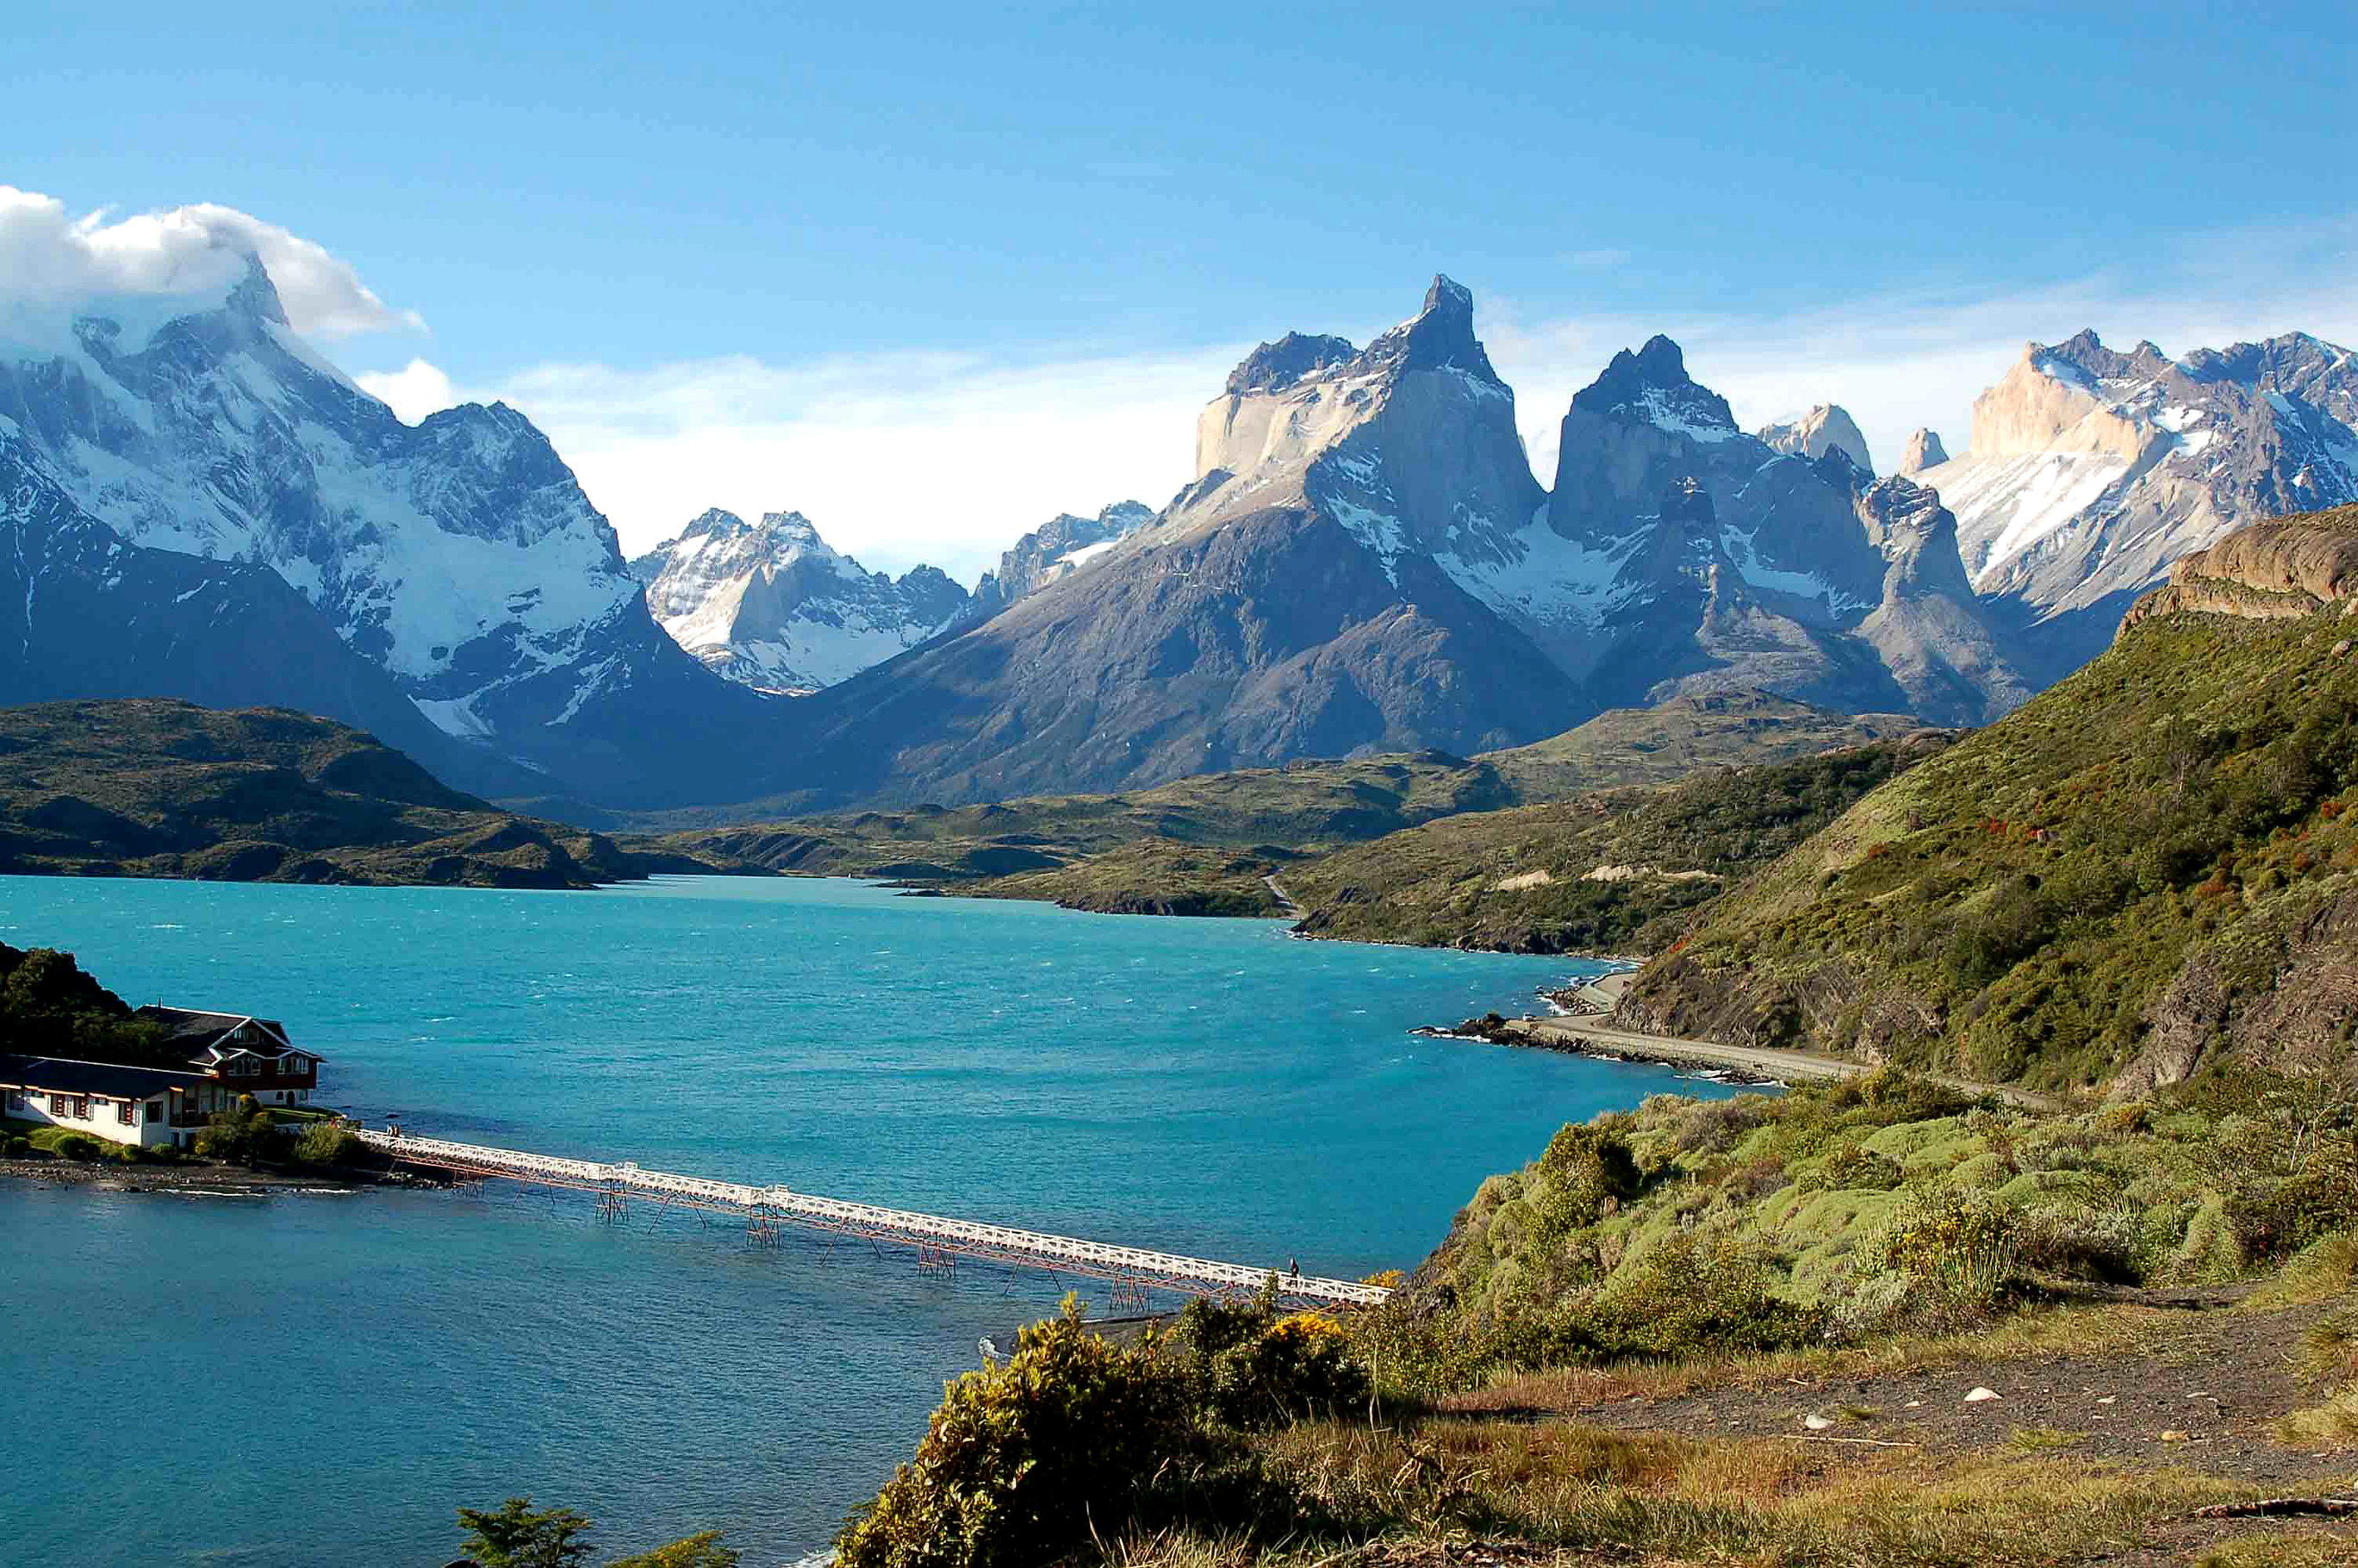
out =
column 930, row 274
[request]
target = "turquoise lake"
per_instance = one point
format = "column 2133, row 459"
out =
column 321, row 1380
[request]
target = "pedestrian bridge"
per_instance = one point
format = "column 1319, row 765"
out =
column 938, row 1240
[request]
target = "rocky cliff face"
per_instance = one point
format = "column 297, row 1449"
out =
column 460, row 556
column 1825, row 429
column 1930, row 630
column 1924, row 451
column 2270, row 571
column 773, row 606
column 1055, row 550
column 2091, row 470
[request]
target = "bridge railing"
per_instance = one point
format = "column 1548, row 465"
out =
column 999, row 1242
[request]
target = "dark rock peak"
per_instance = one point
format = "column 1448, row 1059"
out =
column 1899, row 502
column 1275, row 366
column 2085, row 351
column 1687, row 501
column 1839, row 473
column 2290, row 355
column 1659, row 369
column 1441, row 337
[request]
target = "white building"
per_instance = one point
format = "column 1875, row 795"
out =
column 228, row 1055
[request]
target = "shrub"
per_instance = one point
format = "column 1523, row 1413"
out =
column 1022, row 1461
column 2305, row 1209
column 74, row 1146
column 16, row 1148
column 2084, row 1243
column 1694, row 1294
column 328, row 1143
column 1961, row 1243
column 1589, row 1172
column 1250, row 1369
column 1851, row 1166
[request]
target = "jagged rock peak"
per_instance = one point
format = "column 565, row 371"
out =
column 1688, row 500
column 1274, row 366
column 1924, row 451
column 1826, row 428
column 1439, row 337
column 1652, row 387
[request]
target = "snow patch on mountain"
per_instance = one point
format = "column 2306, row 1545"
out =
column 774, row 606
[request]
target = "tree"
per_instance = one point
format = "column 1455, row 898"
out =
column 702, row 1550
column 516, row 1535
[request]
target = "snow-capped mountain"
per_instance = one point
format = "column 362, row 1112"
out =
column 2091, row 470
column 88, row 615
column 774, row 606
column 1364, row 560
column 1823, row 429
column 1054, row 551
column 458, row 555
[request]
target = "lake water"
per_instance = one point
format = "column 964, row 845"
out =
column 321, row 1380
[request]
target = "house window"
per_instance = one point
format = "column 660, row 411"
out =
column 60, row 1105
column 127, row 1113
column 155, row 1110
column 244, row 1066
column 81, row 1107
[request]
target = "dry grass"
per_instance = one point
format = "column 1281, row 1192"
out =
column 1565, row 1493
column 2054, row 1331
column 2329, row 1428
column 2325, row 1271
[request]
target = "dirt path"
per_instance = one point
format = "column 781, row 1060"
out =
column 1596, row 1034
column 1293, row 910
column 2202, row 1393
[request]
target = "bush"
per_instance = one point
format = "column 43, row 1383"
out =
column 1852, row 1167
column 328, row 1143
column 1694, row 1294
column 2083, row 1243
column 1250, row 1369
column 1022, row 1460
column 74, row 1146
column 16, row 1148
column 1961, row 1243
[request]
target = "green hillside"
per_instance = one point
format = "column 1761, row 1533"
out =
column 2147, row 867
column 1612, row 871
column 159, row 788
column 1201, row 845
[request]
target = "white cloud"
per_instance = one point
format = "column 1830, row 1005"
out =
column 50, row 257
column 899, row 458
column 412, row 391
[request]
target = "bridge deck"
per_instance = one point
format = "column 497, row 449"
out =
column 998, row 1242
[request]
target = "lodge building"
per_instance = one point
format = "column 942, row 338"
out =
column 227, row 1055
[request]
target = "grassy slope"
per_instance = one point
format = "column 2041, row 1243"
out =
column 1526, row 880
column 2150, row 859
column 150, row 787
column 1202, row 845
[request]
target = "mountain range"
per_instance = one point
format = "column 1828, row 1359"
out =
column 1363, row 561
column 774, row 606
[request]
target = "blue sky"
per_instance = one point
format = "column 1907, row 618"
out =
column 931, row 272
